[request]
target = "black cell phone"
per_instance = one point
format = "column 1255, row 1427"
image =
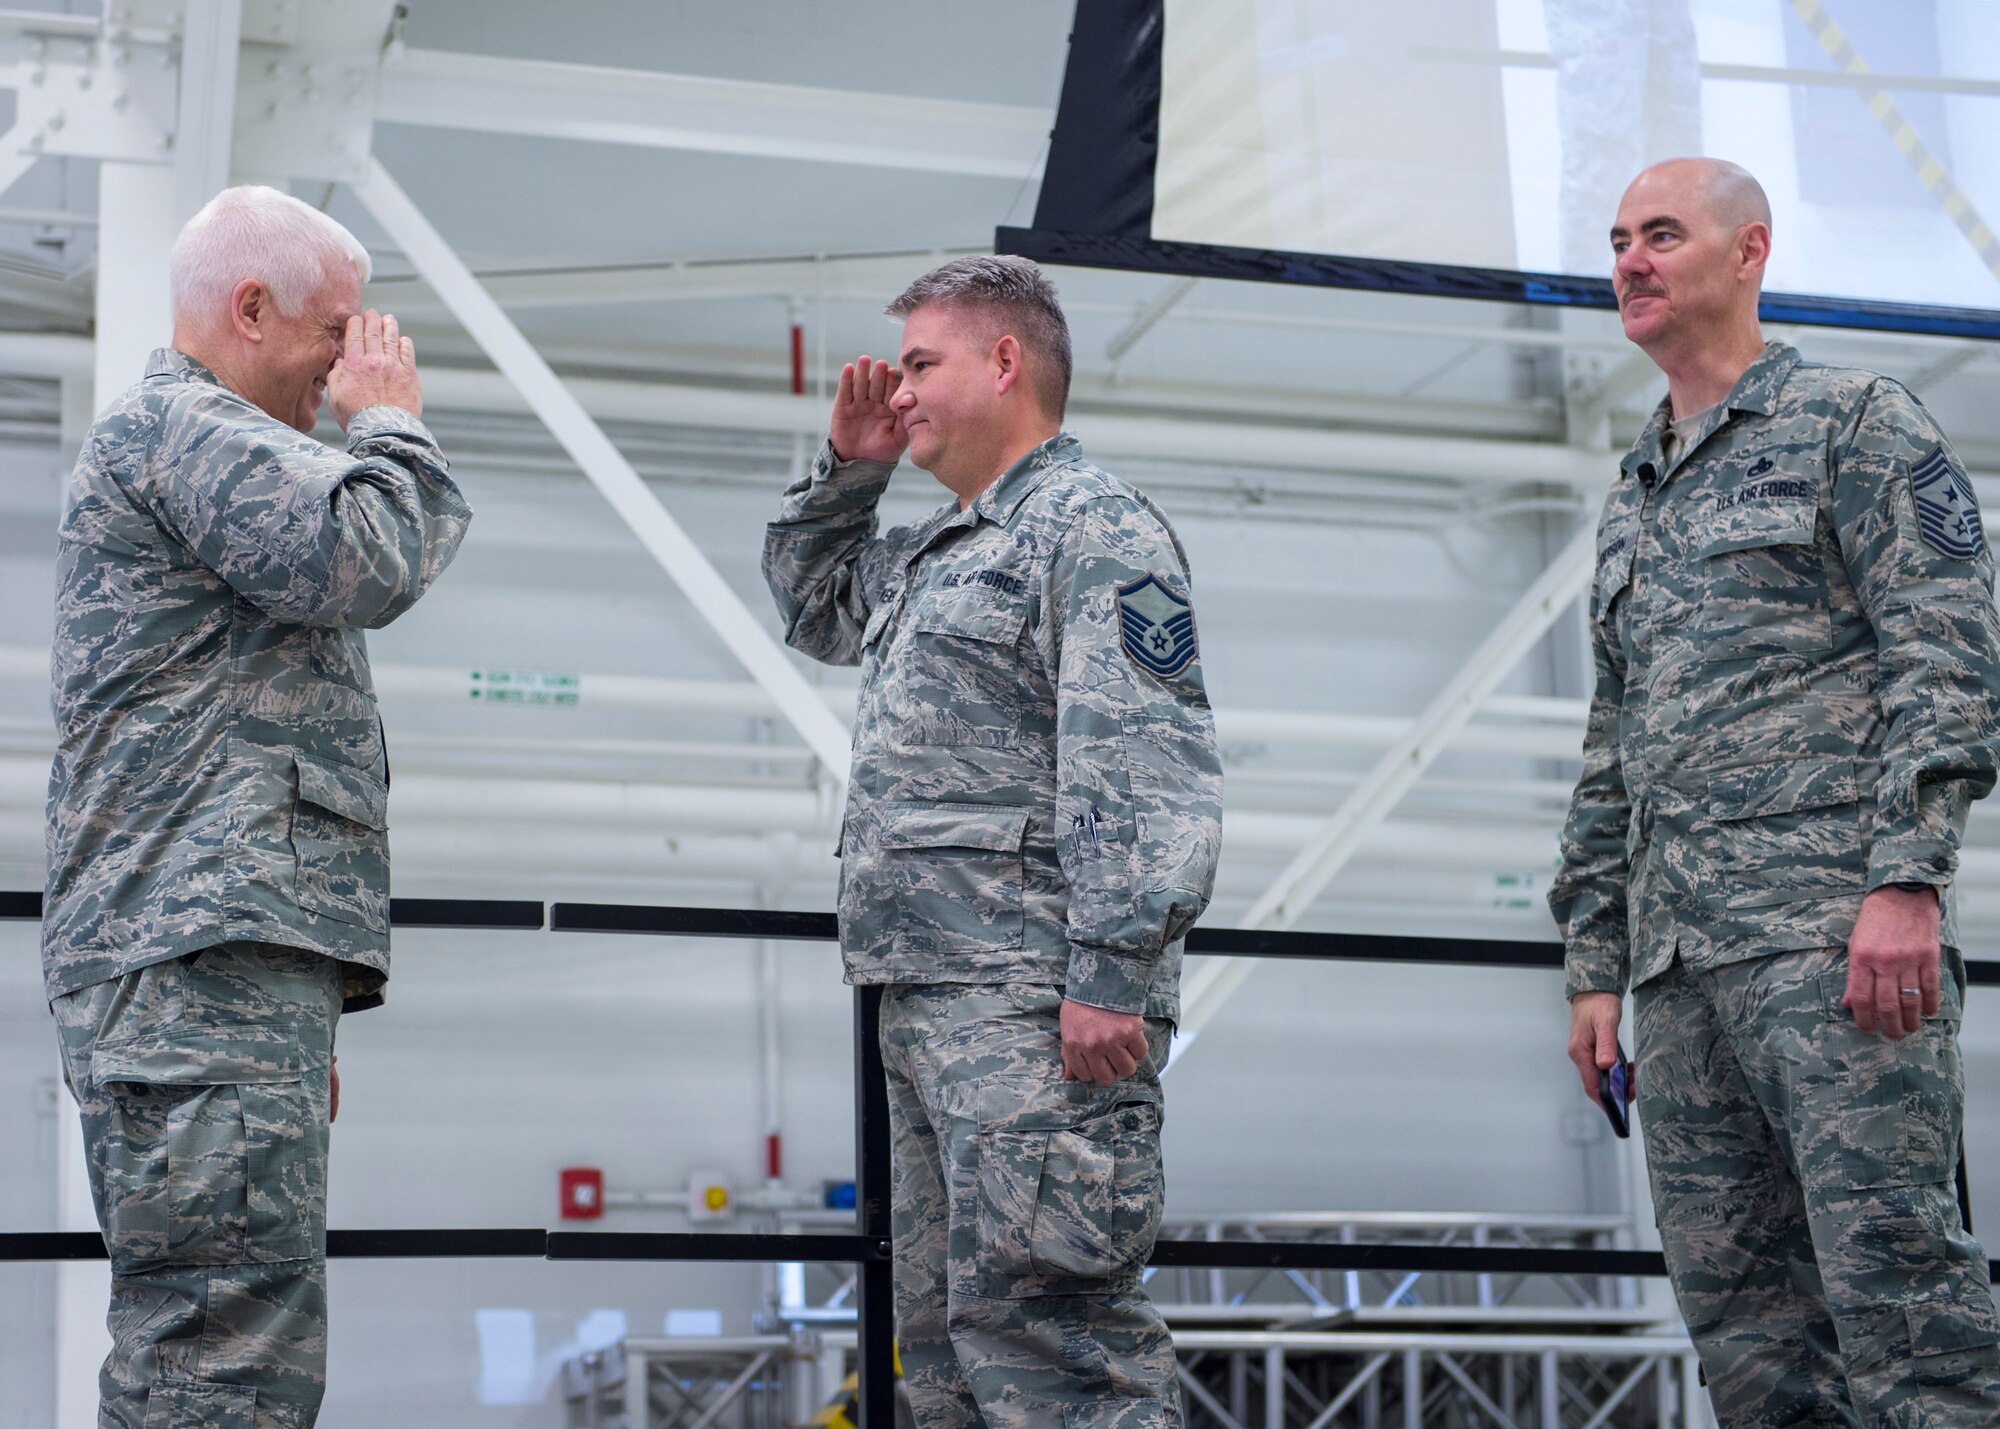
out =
column 1617, row 1084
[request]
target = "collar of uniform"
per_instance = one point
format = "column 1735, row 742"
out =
column 998, row 502
column 1755, row 391
column 1646, row 450
column 166, row 362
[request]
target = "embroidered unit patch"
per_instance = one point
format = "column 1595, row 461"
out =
column 1158, row 627
column 1947, row 514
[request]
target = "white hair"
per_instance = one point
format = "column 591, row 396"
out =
column 252, row 231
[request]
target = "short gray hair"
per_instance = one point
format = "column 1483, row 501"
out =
column 252, row 231
column 1021, row 296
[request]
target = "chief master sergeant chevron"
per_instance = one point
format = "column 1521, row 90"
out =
column 1032, row 826
column 1798, row 697
column 218, row 876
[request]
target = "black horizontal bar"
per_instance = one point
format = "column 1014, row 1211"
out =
column 456, row 1244
column 481, row 1243
column 685, row 922
column 665, row 1245
column 51, row 1245
column 1450, row 1259
column 513, row 913
column 1374, row 947
column 1334, row 270
column 692, row 922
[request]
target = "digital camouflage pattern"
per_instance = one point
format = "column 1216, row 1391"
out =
column 220, row 773
column 203, row 1082
column 1025, row 1207
column 1832, row 1283
column 1798, row 694
column 1797, row 699
column 1028, row 803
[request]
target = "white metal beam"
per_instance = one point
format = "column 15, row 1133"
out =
column 1400, row 766
column 607, row 469
column 206, row 115
column 1405, row 761
column 16, row 158
column 1148, row 317
column 1458, row 459
column 866, row 277
column 135, row 205
column 500, row 95
column 1591, row 407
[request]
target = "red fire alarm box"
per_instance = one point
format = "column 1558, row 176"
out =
column 582, row 1193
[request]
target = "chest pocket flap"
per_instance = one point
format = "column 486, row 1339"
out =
column 998, row 828
column 992, row 613
column 351, row 793
column 1747, row 528
column 1783, row 786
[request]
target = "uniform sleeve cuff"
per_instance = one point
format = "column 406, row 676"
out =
column 1593, row 974
column 384, row 420
column 855, row 470
column 1116, row 982
column 1574, row 987
column 1931, row 861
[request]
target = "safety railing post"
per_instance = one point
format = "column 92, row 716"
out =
column 875, row 1290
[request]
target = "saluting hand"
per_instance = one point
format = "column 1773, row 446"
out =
column 863, row 428
column 377, row 366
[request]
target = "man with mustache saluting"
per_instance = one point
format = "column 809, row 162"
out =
column 1797, row 699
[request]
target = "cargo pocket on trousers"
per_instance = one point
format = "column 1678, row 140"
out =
column 1895, row 1103
column 1071, row 1210
column 213, row 1406
column 1954, row 1338
column 1113, row 1412
column 241, row 1177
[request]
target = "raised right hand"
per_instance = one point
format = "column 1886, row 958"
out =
column 863, row 428
column 377, row 366
column 1593, row 1035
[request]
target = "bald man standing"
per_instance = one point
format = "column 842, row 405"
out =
column 1797, row 700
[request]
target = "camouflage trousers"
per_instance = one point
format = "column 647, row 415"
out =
column 203, row 1087
column 1024, row 1208
column 1802, row 1173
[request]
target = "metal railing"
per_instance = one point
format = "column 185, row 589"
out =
column 868, row 1246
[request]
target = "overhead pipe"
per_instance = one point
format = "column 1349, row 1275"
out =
column 1534, row 728
column 1456, row 459
column 539, row 812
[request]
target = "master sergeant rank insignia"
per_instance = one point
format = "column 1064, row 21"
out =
column 1947, row 514
column 1158, row 627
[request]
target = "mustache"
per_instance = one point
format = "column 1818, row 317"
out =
column 1640, row 290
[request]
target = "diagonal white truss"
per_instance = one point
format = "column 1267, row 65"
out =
column 683, row 560
column 1401, row 765
column 504, row 95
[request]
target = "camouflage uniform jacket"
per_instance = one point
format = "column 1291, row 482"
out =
column 1035, row 795
column 1798, row 678
column 220, row 773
